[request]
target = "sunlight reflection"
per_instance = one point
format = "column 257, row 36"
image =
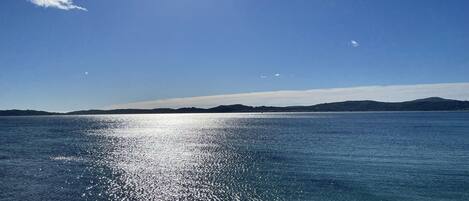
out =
column 164, row 156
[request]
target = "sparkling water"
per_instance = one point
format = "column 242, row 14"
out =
column 272, row 156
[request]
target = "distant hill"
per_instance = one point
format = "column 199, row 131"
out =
column 24, row 113
column 426, row 104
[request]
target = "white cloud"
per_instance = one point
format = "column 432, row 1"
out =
column 392, row 93
column 354, row 43
column 60, row 4
column 277, row 75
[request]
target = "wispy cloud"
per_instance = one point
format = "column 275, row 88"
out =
column 390, row 93
column 354, row 43
column 277, row 74
column 60, row 4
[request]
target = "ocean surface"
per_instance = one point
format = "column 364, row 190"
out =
column 271, row 156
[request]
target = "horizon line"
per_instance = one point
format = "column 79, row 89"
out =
column 306, row 97
column 65, row 113
column 282, row 98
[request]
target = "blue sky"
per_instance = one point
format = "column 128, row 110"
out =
column 63, row 58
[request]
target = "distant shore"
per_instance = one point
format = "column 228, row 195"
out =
column 427, row 104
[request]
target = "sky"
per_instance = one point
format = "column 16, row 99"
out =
column 63, row 55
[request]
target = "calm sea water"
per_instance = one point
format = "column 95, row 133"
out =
column 304, row 156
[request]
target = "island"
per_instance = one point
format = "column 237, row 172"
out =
column 426, row 104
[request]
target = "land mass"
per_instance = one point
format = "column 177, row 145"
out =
column 426, row 104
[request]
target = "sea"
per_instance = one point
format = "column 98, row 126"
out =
column 363, row 156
